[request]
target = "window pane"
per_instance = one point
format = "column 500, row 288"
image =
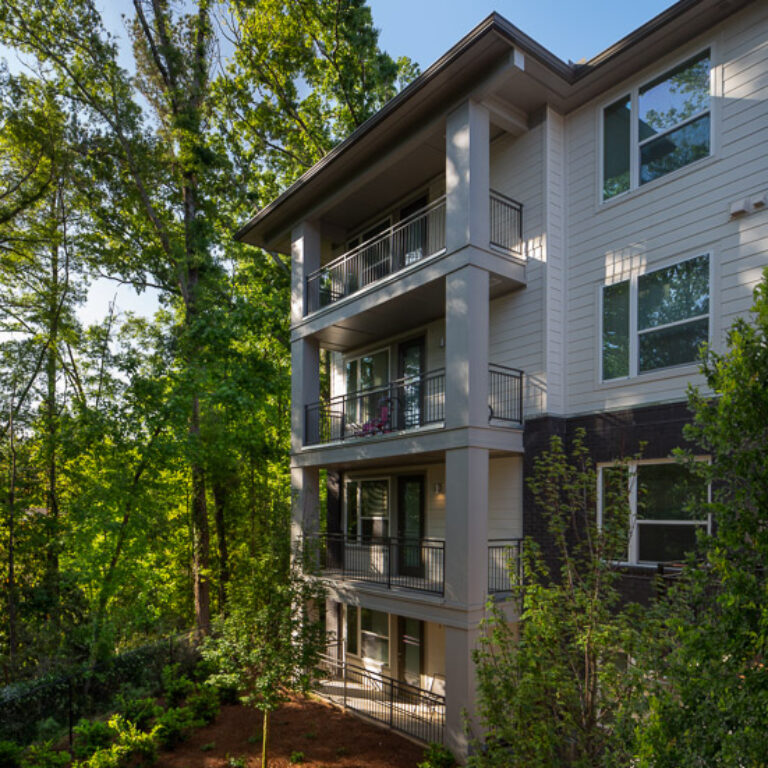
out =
column 675, row 96
column 351, row 376
column 659, row 542
column 616, row 125
column 374, row 498
column 675, row 149
column 374, row 527
column 616, row 330
column 374, row 370
column 669, row 488
column 351, row 629
column 676, row 293
column 672, row 346
column 374, row 621
column 375, row 648
column 352, row 513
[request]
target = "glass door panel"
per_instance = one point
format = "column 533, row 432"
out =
column 411, row 396
column 409, row 650
column 410, row 525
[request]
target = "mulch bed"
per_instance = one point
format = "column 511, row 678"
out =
column 325, row 735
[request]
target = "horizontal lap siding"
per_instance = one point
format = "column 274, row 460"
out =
column 516, row 320
column 679, row 217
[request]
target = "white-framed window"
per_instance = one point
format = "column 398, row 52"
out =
column 662, row 525
column 366, row 508
column 367, row 371
column 655, row 320
column 658, row 127
column 368, row 634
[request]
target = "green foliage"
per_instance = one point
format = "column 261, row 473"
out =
column 49, row 729
column 204, row 703
column 708, row 698
column 175, row 725
column 44, row 756
column 10, row 754
column 141, row 712
column 556, row 689
column 136, row 746
column 176, row 687
column 296, row 758
column 90, row 736
column 234, row 761
column 437, row 756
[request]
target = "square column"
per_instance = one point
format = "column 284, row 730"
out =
column 305, row 502
column 466, row 347
column 305, row 259
column 460, row 688
column 305, row 386
column 467, row 177
column 466, row 527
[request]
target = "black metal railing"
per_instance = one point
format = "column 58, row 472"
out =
column 506, row 223
column 504, row 565
column 407, row 403
column 416, row 237
column 505, row 393
column 403, row 707
column 417, row 564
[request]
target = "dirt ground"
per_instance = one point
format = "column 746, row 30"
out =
column 327, row 737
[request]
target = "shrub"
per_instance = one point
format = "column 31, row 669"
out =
column 175, row 725
column 437, row 756
column 204, row 704
column 48, row 729
column 10, row 754
column 138, row 746
column 90, row 736
column 44, row 756
column 296, row 757
column 139, row 711
column 176, row 686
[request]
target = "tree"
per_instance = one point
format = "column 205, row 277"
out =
column 552, row 689
column 711, row 635
column 268, row 644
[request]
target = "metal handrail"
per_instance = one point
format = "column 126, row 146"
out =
column 348, row 275
column 505, row 394
column 506, row 222
column 500, row 553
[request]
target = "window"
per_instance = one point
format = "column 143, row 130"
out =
column 366, row 373
column 374, row 635
column 656, row 320
column 657, row 128
column 352, row 622
column 663, row 526
column 367, row 508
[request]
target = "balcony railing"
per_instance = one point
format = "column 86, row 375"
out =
column 420, row 235
column 505, row 394
column 417, row 564
column 403, row 707
column 506, row 223
column 504, row 565
column 407, row 403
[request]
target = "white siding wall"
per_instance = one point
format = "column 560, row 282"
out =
column 678, row 216
column 505, row 498
column 517, row 320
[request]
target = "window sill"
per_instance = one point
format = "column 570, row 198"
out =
column 632, row 194
column 673, row 372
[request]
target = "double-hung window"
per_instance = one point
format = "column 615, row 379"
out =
column 656, row 320
column 657, row 128
column 665, row 508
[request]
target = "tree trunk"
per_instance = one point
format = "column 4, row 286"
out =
column 200, row 535
column 264, row 735
column 12, row 634
column 220, row 496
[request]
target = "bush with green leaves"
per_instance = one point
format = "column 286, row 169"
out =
column 176, row 686
column 139, row 747
column 437, row 756
column 10, row 754
column 204, row 703
column 90, row 736
column 141, row 712
column 175, row 726
column 44, row 756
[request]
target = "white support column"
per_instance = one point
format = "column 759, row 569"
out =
column 305, row 386
column 305, row 259
column 466, row 526
column 466, row 347
column 467, row 176
column 460, row 687
column 305, row 502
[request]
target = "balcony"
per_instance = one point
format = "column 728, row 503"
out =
column 504, row 565
column 406, row 404
column 415, row 564
column 418, row 237
column 414, row 711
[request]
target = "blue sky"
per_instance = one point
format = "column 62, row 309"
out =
column 571, row 29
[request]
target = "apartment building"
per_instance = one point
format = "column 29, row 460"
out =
column 511, row 248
